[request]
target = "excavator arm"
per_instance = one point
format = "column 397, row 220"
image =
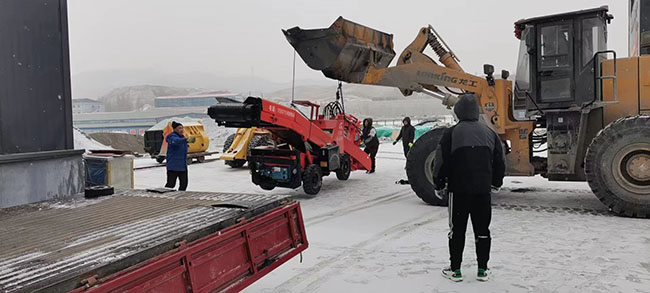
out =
column 354, row 53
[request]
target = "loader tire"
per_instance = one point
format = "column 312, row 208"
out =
column 312, row 179
column 97, row 191
column 617, row 166
column 259, row 140
column 343, row 172
column 226, row 146
column 419, row 167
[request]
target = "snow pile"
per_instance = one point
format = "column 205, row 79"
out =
column 83, row 141
column 216, row 133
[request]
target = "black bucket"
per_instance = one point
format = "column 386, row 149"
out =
column 344, row 51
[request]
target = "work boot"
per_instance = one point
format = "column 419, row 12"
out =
column 483, row 275
column 455, row 276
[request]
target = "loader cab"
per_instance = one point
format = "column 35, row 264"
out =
column 559, row 60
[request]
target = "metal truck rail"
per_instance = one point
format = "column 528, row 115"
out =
column 140, row 241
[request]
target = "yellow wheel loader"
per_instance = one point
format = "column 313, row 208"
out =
column 237, row 146
column 571, row 95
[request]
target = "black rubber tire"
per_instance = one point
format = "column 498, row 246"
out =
column 267, row 186
column 419, row 167
column 312, row 179
column 200, row 159
column 259, row 140
column 228, row 142
column 97, row 191
column 607, row 162
column 343, row 172
column 160, row 160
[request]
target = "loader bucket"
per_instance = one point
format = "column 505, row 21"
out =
column 344, row 51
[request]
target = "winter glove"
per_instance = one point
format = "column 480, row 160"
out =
column 410, row 144
column 394, row 142
column 496, row 189
column 191, row 140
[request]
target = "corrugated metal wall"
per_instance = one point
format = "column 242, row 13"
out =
column 35, row 100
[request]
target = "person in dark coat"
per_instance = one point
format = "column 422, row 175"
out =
column 370, row 140
column 177, row 156
column 407, row 135
column 470, row 163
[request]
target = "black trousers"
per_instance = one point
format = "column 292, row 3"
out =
column 372, row 151
column 171, row 179
column 407, row 148
column 460, row 208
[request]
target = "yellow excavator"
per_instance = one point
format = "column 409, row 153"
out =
column 571, row 98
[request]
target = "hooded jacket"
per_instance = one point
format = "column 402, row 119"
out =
column 407, row 133
column 176, row 152
column 369, row 134
column 469, row 159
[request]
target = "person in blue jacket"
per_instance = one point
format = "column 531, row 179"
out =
column 177, row 156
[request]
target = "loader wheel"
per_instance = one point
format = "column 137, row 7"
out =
column 201, row 159
column 267, row 185
column 160, row 160
column 312, row 179
column 259, row 140
column 343, row 172
column 228, row 142
column 419, row 167
column 617, row 166
column 189, row 161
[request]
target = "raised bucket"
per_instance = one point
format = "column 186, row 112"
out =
column 344, row 51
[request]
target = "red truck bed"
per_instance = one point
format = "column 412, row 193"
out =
column 139, row 241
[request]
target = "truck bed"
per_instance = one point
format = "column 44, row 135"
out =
column 62, row 246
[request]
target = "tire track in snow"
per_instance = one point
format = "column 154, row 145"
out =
column 391, row 197
column 346, row 257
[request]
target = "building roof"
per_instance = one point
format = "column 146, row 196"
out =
column 85, row 100
column 147, row 114
column 205, row 95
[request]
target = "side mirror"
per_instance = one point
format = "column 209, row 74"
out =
column 488, row 69
column 505, row 74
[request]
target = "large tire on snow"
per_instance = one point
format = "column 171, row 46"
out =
column 312, row 179
column 419, row 167
column 343, row 172
column 617, row 166
column 226, row 145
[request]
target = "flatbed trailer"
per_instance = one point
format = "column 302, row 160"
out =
column 141, row 241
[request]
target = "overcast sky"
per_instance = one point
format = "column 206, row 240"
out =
column 240, row 38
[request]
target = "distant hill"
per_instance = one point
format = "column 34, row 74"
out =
column 140, row 97
column 100, row 82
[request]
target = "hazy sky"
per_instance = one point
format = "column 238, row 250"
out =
column 235, row 38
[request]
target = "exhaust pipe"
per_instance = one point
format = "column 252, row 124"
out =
column 240, row 115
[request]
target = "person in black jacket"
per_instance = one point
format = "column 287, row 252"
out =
column 469, row 162
column 370, row 140
column 407, row 135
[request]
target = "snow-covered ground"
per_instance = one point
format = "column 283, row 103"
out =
column 371, row 235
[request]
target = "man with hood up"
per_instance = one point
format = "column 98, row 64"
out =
column 370, row 140
column 469, row 162
column 407, row 135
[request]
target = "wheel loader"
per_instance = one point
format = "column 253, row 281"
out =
column 570, row 95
